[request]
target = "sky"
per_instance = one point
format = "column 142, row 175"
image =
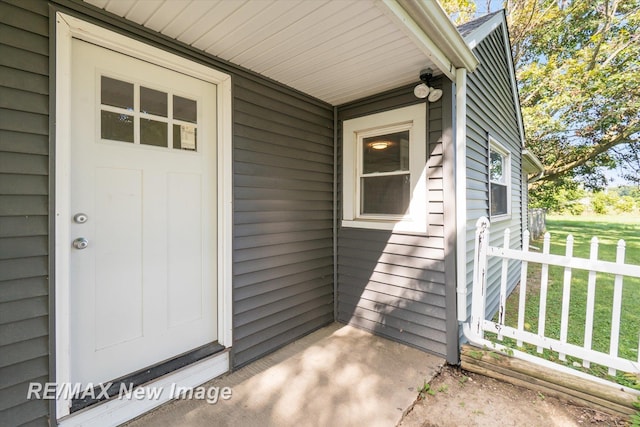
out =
column 481, row 6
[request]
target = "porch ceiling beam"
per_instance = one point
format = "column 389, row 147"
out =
column 430, row 29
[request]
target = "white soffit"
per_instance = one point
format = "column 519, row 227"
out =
column 334, row 50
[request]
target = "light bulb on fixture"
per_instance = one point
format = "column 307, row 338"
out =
column 434, row 95
column 379, row 145
column 421, row 91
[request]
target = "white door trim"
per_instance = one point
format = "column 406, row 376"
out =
column 67, row 28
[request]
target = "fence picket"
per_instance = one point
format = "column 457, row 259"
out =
column 617, row 306
column 591, row 295
column 523, row 284
column 544, row 283
column 503, row 284
column 566, row 296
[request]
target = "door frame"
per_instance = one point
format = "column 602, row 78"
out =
column 67, row 28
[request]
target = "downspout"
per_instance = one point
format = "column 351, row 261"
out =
column 335, row 213
column 461, row 192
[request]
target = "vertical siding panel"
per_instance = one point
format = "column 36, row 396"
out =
column 492, row 111
column 283, row 192
column 24, row 148
column 390, row 283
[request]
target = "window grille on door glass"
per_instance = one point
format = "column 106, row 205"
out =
column 134, row 113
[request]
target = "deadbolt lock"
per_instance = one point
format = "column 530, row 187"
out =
column 80, row 218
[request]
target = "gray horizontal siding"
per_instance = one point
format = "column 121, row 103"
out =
column 492, row 111
column 394, row 284
column 283, row 201
column 24, row 206
column 283, row 206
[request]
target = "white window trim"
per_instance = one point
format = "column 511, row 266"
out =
column 412, row 118
column 68, row 28
column 498, row 147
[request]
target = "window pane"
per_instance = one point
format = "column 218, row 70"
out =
column 498, row 199
column 153, row 102
column 385, row 194
column 185, row 109
column 116, row 93
column 386, row 153
column 496, row 166
column 116, row 126
column 185, row 137
column 153, row 132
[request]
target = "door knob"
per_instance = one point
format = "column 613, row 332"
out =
column 80, row 243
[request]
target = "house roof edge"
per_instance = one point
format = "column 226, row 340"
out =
column 435, row 23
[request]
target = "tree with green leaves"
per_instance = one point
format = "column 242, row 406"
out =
column 460, row 11
column 578, row 67
column 578, row 70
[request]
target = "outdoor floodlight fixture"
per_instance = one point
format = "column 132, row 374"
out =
column 423, row 90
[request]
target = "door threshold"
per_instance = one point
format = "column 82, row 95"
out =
column 143, row 376
column 127, row 406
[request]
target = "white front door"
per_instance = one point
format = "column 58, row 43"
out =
column 143, row 214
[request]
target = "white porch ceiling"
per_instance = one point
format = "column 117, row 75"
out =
column 334, row 50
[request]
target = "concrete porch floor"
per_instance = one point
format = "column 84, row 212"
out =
column 336, row 376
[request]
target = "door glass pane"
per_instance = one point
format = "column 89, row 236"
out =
column 116, row 126
column 116, row 93
column 386, row 153
column 385, row 194
column 185, row 109
column 153, row 102
column 153, row 132
column 185, row 137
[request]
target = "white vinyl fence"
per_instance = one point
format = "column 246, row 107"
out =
column 478, row 325
column 537, row 222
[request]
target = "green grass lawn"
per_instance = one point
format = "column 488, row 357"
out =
column 608, row 229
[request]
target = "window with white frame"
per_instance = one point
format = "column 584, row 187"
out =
column 499, row 180
column 384, row 159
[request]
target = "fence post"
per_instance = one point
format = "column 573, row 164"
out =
column 479, row 276
column 523, row 285
column 503, row 284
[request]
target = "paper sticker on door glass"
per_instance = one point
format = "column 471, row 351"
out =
column 184, row 137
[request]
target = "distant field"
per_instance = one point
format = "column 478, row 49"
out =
column 608, row 229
